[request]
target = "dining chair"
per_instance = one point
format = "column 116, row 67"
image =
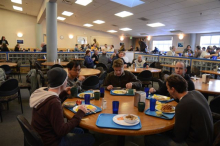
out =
column 31, row 137
column 216, row 141
column 91, row 82
column 57, row 65
column 9, row 91
column 145, row 77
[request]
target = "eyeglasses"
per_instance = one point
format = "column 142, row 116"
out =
column 76, row 70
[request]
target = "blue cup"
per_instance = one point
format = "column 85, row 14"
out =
column 214, row 57
column 152, row 104
column 115, row 106
column 87, row 98
column 146, row 90
column 102, row 92
column 180, row 54
column 189, row 54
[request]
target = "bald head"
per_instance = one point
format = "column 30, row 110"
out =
column 140, row 58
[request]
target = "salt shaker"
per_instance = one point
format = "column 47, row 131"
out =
column 104, row 104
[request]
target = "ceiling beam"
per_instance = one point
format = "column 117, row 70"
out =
column 42, row 13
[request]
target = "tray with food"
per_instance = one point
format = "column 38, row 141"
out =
column 119, row 121
column 122, row 92
column 91, row 108
column 91, row 92
column 166, row 108
column 161, row 98
column 160, row 114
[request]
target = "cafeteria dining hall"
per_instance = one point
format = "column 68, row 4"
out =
column 110, row 73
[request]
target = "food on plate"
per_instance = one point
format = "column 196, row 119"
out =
column 90, row 107
column 158, row 103
column 167, row 108
column 120, row 118
column 161, row 97
column 69, row 104
column 81, row 95
column 78, row 102
column 159, row 113
column 130, row 118
column 120, row 91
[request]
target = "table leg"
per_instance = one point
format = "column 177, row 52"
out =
column 216, row 76
column 121, row 140
column 170, row 70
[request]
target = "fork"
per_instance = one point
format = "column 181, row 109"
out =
column 91, row 111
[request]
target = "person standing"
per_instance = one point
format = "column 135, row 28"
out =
column 5, row 48
column 3, row 41
column 44, row 47
column 198, row 52
column 47, row 113
column 142, row 45
column 193, row 118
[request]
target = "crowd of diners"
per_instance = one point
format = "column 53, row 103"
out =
column 193, row 117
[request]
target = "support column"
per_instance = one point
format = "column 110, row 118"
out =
column 39, row 35
column 51, row 20
column 193, row 41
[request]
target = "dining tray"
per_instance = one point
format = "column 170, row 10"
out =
column 114, row 94
column 106, row 121
column 166, row 101
column 98, row 109
column 89, row 91
column 153, row 113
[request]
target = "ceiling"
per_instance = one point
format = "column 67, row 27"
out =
column 189, row 16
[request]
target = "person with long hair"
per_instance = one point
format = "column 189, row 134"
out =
column 3, row 41
column 5, row 48
column 17, row 48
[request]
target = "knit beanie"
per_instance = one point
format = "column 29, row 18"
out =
column 56, row 77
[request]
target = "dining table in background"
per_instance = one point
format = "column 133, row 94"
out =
column 87, row 72
column 169, row 65
column 216, row 73
column 139, row 70
column 11, row 64
column 52, row 63
column 150, row 125
column 212, row 87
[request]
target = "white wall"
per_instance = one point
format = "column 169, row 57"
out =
column 12, row 23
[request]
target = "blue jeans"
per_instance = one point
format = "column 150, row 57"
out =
column 160, row 140
column 77, row 137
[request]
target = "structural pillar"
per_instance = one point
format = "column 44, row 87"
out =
column 51, row 20
column 193, row 41
column 39, row 35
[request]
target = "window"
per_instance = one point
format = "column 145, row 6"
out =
column 163, row 45
column 206, row 41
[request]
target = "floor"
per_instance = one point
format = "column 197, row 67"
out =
column 11, row 133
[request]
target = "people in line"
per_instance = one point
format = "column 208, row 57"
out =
column 44, row 47
column 156, row 51
column 3, row 41
column 206, row 54
column 198, row 52
column 180, row 69
column 187, row 51
column 4, row 48
column 89, row 62
column 121, row 78
column 140, row 63
column 17, row 48
column 172, row 52
column 95, row 57
column 47, row 113
column 193, row 118
column 74, row 79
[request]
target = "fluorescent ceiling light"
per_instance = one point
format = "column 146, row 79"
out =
column 88, row 25
column 112, row 31
column 17, row 8
column 155, row 24
column 99, row 21
column 172, row 29
column 17, row 1
column 67, row 13
column 83, row 2
column 125, row 29
column 61, row 18
column 124, row 14
column 129, row 3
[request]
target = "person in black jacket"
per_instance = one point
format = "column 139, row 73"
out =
column 180, row 69
column 5, row 48
column 142, row 45
column 44, row 47
column 3, row 41
column 96, row 56
column 17, row 48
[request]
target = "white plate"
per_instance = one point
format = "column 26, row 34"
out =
column 122, row 122
column 75, row 107
column 119, row 93
column 157, row 108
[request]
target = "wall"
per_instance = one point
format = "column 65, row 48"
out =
column 12, row 23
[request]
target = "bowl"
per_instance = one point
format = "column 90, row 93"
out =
column 130, row 118
column 69, row 104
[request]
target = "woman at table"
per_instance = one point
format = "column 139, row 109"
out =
column 187, row 51
column 3, row 41
column 88, row 60
column 121, row 78
column 74, row 79
column 17, row 48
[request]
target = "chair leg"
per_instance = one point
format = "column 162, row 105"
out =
column 21, row 104
column 7, row 106
column 1, row 115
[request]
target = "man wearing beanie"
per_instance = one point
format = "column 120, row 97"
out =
column 47, row 114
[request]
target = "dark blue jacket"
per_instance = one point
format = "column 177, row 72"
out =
column 88, row 62
column 44, row 48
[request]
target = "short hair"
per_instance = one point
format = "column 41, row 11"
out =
column 203, row 48
column 184, row 65
column 72, row 64
column 118, row 63
column 76, row 44
column 103, row 53
column 120, row 52
column 177, row 82
column 198, row 47
column 87, row 52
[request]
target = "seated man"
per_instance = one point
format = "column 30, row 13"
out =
column 172, row 52
column 104, row 59
column 193, row 119
column 180, row 69
column 74, row 80
column 121, row 78
column 140, row 63
column 96, row 57
column 47, row 114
